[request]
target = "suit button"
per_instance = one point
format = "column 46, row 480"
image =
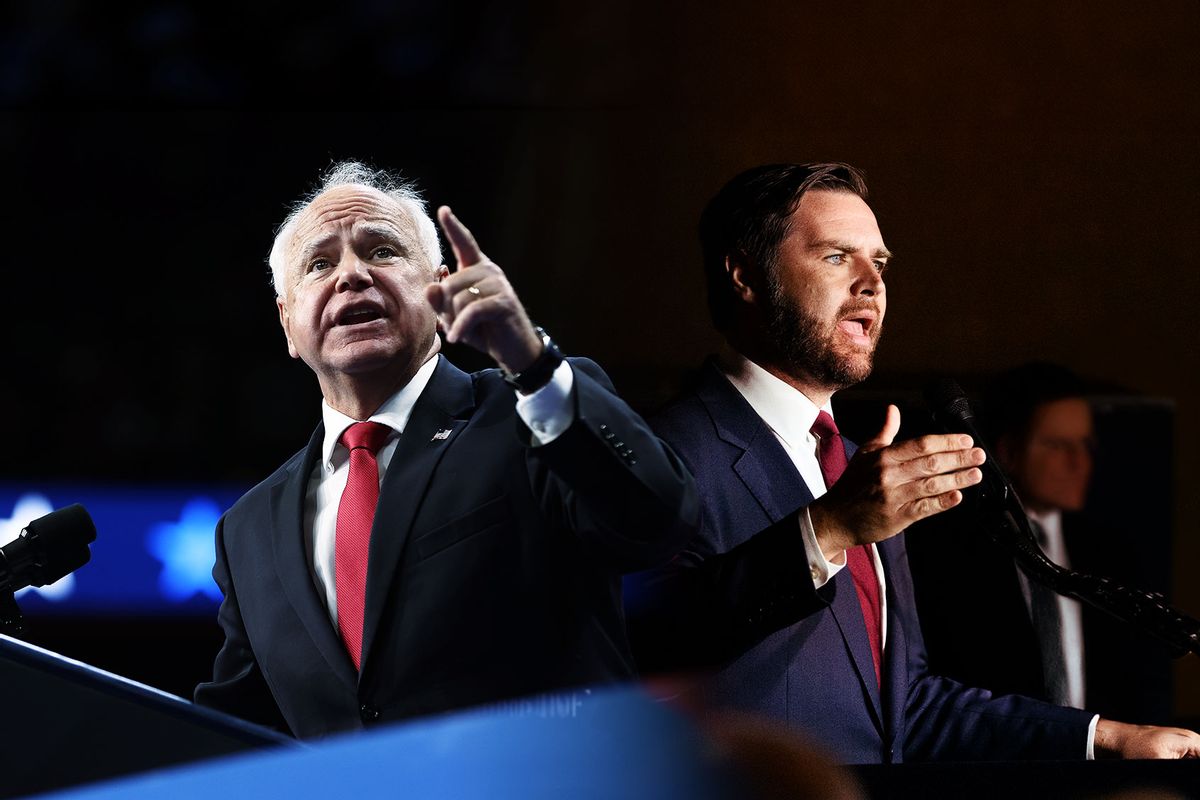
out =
column 368, row 713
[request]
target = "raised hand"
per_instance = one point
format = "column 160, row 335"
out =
column 887, row 487
column 477, row 305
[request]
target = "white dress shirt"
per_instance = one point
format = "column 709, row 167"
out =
column 790, row 416
column 1070, row 611
column 548, row 412
column 1055, row 547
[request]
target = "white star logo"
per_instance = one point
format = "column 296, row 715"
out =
column 187, row 551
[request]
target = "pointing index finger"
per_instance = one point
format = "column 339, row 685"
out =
column 466, row 250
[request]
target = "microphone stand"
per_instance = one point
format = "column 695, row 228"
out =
column 1146, row 611
column 1003, row 518
column 11, row 622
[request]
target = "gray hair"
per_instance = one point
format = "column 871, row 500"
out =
column 342, row 173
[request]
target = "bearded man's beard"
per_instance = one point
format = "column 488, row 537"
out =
column 809, row 345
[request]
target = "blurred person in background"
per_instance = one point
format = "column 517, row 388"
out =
column 1019, row 636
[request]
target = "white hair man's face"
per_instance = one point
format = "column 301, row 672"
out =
column 353, row 293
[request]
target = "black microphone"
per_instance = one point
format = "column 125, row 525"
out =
column 948, row 403
column 1002, row 516
column 47, row 549
column 994, row 499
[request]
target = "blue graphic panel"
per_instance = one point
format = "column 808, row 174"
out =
column 153, row 552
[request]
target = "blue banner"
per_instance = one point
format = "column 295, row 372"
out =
column 153, row 552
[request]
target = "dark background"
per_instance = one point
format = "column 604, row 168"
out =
column 1034, row 167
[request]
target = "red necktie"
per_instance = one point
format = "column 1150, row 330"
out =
column 356, row 513
column 831, row 453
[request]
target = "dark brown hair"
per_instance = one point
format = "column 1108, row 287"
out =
column 748, row 219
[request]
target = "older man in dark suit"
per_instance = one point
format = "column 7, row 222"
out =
column 444, row 539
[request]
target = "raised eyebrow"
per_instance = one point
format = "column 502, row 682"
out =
column 375, row 230
column 381, row 231
column 833, row 244
column 846, row 247
column 314, row 247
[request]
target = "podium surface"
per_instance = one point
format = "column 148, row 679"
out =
column 575, row 744
column 69, row 723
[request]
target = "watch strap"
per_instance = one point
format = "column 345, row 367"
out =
column 539, row 373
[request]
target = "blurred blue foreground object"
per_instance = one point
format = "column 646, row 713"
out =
column 578, row 744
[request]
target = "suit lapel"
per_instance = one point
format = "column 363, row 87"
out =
column 292, row 566
column 849, row 616
column 440, row 414
column 847, row 610
column 847, row 613
column 772, row 479
column 763, row 467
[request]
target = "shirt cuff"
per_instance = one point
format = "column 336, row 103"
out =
column 820, row 568
column 550, row 410
column 1091, row 748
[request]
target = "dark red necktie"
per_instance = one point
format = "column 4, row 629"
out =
column 356, row 513
column 831, row 453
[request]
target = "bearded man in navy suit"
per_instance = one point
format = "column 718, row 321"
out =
column 468, row 546
column 796, row 594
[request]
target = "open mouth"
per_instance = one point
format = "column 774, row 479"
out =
column 858, row 327
column 359, row 314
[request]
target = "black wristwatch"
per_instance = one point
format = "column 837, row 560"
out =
column 537, row 374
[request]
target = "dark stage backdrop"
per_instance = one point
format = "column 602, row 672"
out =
column 1034, row 167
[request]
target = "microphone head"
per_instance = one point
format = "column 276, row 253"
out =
column 951, row 411
column 59, row 542
column 945, row 397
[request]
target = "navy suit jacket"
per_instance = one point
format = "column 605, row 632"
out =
column 740, row 600
column 494, row 567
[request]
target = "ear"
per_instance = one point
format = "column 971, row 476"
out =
column 436, row 296
column 745, row 277
column 285, row 323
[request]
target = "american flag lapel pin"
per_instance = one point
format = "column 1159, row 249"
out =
column 441, row 435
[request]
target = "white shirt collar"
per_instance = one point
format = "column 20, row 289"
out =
column 394, row 412
column 788, row 412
